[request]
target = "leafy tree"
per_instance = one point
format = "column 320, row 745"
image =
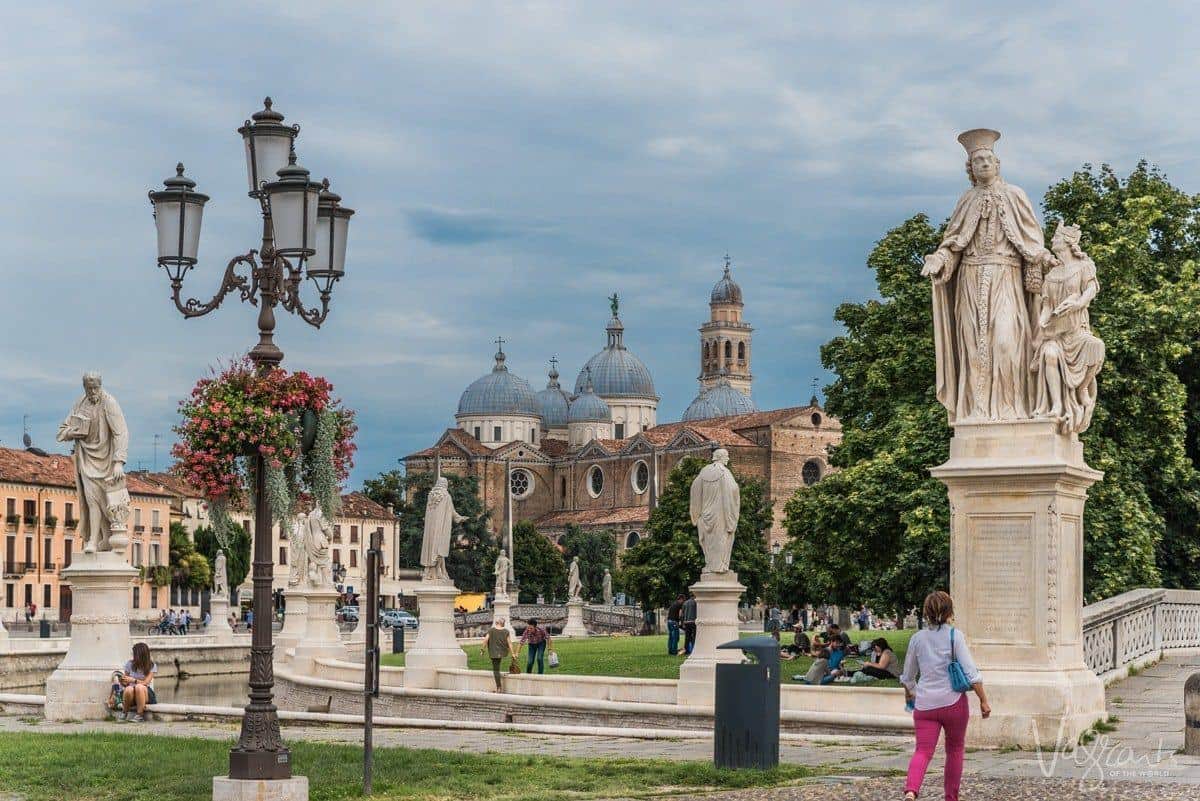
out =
column 597, row 551
column 188, row 567
column 473, row 548
column 668, row 559
column 538, row 565
column 237, row 556
column 386, row 489
column 877, row 531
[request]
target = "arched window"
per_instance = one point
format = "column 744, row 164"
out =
column 816, row 420
column 562, row 485
column 640, row 477
column 632, row 539
column 741, row 351
column 706, row 351
column 595, row 481
column 728, row 349
column 811, row 472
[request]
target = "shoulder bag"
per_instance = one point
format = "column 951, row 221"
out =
column 958, row 677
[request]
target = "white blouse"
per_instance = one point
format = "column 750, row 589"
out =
column 929, row 655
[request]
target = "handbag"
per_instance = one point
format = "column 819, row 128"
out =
column 958, row 677
column 553, row 659
column 513, row 667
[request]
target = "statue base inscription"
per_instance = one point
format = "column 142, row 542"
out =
column 1017, row 491
column 99, row 636
column 574, row 626
column 717, row 597
column 436, row 646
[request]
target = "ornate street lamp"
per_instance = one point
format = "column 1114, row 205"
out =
column 304, row 236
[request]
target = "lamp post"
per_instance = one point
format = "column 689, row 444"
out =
column 303, row 235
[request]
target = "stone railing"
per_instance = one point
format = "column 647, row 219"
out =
column 598, row 618
column 1136, row 626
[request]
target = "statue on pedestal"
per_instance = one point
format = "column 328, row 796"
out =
column 1067, row 355
column 221, row 577
column 96, row 427
column 574, row 584
column 987, row 274
column 316, row 550
column 501, row 572
column 606, row 588
column 716, row 506
column 440, row 517
column 298, row 570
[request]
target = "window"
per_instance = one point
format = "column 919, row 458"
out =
column 70, row 512
column 533, row 435
column 337, row 556
column 8, row 595
column 741, row 351
column 562, row 483
column 520, row 483
column 67, row 553
column 640, row 477
column 816, row 420
column 30, row 509
column 353, row 557
column 595, row 481
column 28, row 594
column 137, row 597
column 632, row 539
column 137, row 517
column 337, row 532
column 619, row 431
column 728, row 349
column 496, row 433
column 811, row 472
column 354, row 533
column 137, row 554
column 29, row 550
column 154, row 549
column 154, row 597
column 47, row 551
column 154, row 518
column 47, row 598
column 10, row 507
column 477, row 434
column 48, row 510
column 283, row 556
column 246, row 525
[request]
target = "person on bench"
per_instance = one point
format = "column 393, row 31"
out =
column 138, row 683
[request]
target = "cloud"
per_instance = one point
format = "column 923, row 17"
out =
column 454, row 227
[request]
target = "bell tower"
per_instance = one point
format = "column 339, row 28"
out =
column 725, row 338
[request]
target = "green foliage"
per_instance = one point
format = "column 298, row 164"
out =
column 538, row 565
column 668, row 559
column 387, row 489
column 597, row 551
column 319, row 468
column 237, row 553
column 473, row 548
column 188, row 568
column 877, row 530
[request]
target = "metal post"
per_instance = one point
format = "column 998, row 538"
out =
column 371, row 660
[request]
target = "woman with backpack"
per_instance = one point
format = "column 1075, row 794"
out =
column 938, row 673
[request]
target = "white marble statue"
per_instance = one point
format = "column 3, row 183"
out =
column 298, row 570
column 574, row 584
column 606, row 588
column 316, row 550
column 1067, row 355
column 96, row 427
column 987, row 274
column 716, row 505
column 440, row 517
column 221, row 577
column 501, row 573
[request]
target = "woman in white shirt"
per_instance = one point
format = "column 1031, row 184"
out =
column 937, row 705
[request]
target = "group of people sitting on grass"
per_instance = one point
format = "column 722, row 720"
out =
column 830, row 649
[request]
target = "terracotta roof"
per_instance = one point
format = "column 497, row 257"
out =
column 737, row 422
column 355, row 504
column 595, row 517
column 553, row 447
column 722, row 435
column 170, row 483
column 56, row 470
column 445, row 448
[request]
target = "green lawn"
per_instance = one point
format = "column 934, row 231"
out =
column 132, row 767
column 647, row 658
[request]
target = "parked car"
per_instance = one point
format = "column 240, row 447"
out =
column 348, row 614
column 389, row 618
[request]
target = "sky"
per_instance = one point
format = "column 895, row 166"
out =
column 513, row 164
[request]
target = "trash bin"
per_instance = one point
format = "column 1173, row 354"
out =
column 44, row 629
column 398, row 638
column 746, row 713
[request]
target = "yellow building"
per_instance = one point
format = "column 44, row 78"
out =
column 41, row 513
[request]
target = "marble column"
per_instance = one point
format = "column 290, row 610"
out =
column 295, row 621
column 717, row 597
column 436, row 647
column 100, row 640
column 574, row 626
column 1017, row 491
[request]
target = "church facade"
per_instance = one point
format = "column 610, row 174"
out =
column 597, row 457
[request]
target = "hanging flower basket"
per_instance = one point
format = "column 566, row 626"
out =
column 305, row 436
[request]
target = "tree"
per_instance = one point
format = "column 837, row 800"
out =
column 668, row 559
column 387, row 489
column 473, row 548
column 877, row 531
column 597, row 552
column 237, row 556
column 188, row 567
column 538, row 565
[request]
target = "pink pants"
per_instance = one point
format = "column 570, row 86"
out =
column 929, row 724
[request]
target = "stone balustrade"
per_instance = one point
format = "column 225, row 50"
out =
column 1135, row 627
column 598, row 618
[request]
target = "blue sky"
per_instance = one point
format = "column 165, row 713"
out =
column 514, row 164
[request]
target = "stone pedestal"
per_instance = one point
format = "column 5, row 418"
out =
column 295, row 622
column 502, row 607
column 436, row 646
column 99, row 636
column 1017, row 491
column 321, row 636
column 717, row 597
column 574, row 626
column 227, row 789
column 218, row 607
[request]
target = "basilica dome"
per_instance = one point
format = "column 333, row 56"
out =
column 499, row 393
column 615, row 371
column 721, row 400
column 588, row 406
column 554, row 402
column 700, row 409
column 726, row 290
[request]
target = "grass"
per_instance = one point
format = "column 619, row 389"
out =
column 647, row 657
column 132, row 767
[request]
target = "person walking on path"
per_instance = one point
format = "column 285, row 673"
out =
column 937, row 705
column 496, row 645
column 689, row 624
column 538, row 640
column 674, row 619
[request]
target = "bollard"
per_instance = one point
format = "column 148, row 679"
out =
column 44, row 629
column 1191, row 715
column 398, row 639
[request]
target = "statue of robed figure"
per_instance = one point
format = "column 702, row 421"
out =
column 574, row 583
column 440, row 517
column 716, row 505
column 96, row 427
